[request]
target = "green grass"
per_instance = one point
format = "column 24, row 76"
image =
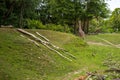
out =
column 111, row 37
column 20, row 59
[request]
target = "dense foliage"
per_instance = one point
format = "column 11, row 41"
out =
column 15, row 11
column 64, row 14
column 71, row 11
column 115, row 20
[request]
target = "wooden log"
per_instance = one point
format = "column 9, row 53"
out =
column 56, row 47
column 7, row 26
column 70, row 55
column 58, row 52
column 42, row 42
column 32, row 35
column 42, row 37
column 48, row 41
column 31, row 41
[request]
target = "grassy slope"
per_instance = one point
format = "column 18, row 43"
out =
column 22, row 60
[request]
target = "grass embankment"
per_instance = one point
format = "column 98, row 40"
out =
column 20, row 59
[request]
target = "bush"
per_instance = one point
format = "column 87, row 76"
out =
column 55, row 27
column 60, row 28
column 100, row 26
column 33, row 24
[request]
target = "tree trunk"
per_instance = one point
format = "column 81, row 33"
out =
column 85, row 25
column 21, row 15
column 76, row 27
column 81, row 32
column 82, row 24
column 10, row 6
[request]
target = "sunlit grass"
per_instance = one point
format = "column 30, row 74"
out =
column 111, row 37
column 20, row 59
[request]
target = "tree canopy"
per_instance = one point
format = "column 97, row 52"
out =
column 71, row 11
column 15, row 11
column 115, row 20
column 59, row 12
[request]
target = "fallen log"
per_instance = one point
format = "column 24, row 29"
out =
column 42, row 42
column 42, row 37
column 48, row 41
column 7, row 26
column 57, row 52
column 31, row 41
column 56, row 47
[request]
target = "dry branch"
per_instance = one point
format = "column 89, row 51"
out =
column 71, row 55
column 42, row 37
column 56, row 47
column 57, row 52
column 46, row 44
column 31, row 40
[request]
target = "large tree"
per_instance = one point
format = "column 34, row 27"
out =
column 115, row 20
column 93, row 9
column 15, row 11
column 73, row 12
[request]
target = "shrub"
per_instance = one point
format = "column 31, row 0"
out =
column 33, row 24
column 36, row 24
column 54, row 27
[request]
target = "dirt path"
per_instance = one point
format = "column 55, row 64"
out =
column 97, row 43
column 102, row 44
